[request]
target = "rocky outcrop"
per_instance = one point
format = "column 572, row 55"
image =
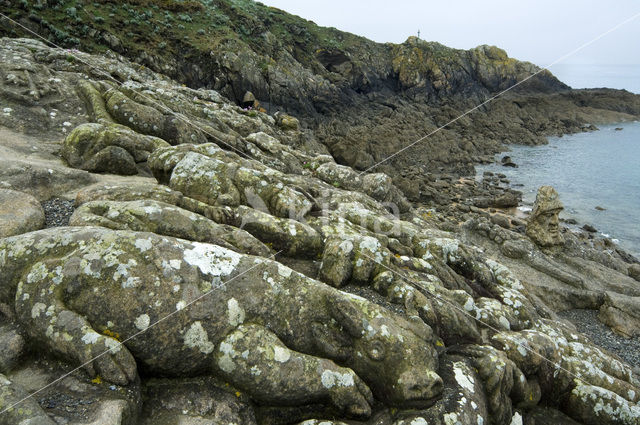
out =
column 542, row 226
column 254, row 279
column 363, row 100
column 108, row 148
column 19, row 213
column 165, row 219
column 258, row 359
column 621, row 313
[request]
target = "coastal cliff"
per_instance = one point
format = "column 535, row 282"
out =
column 178, row 257
column 363, row 100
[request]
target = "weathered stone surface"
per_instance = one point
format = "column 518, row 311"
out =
column 218, row 334
column 19, row 213
column 287, row 122
column 147, row 119
column 27, row 411
column 462, row 401
column 621, row 313
column 74, row 399
column 289, row 236
column 12, row 347
column 499, row 376
column 128, row 192
column 112, row 159
column 542, row 226
column 194, row 401
column 337, row 262
column 165, row 219
column 108, row 148
column 594, row 406
column 41, row 179
column 210, row 175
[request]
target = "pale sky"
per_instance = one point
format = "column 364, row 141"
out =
column 540, row 32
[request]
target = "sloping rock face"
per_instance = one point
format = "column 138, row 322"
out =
column 289, row 288
column 19, row 213
column 364, row 101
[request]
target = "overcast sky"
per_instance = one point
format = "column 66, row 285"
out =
column 540, row 32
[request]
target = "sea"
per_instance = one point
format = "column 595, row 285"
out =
column 615, row 76
column 595, row 169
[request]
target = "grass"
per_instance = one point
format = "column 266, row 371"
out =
column 161, row 26
column 191, row 29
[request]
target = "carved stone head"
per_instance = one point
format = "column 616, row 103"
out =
column 542, row 226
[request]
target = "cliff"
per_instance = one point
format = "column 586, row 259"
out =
column 363, row 100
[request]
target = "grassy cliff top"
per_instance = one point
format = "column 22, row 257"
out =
column 166, row 27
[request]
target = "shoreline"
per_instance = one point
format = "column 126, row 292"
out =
column 575, row 217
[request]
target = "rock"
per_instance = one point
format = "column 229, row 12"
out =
column 463, row 403
column 507, row 162
column 291, row 237
column 12, row 347
column 145, row 119
column 94, row 102
column 249, row 101
column 19, row 213
column 287, row 122
column 352, row 258
column 618, row 129
column 506, row 200
column 482, row 202
column 194, row 401
column 165, row 219
column 596, row 406
column 621, row 313
column 589, row 228
column 501, row 220
column 29, row 412
column 337, row 262
column 498, row 375
column 74, row 399
column 112, row 159
column 41, row 180
column 634, row 271
column 339, row 176
column 292, row 356
column 247, row 332
column 542, row 225
column 108, row 148
column 129, row 192
column 210, row 175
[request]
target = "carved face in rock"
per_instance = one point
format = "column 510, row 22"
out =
column 549, row 221
column 542, row 226
column 395, row 357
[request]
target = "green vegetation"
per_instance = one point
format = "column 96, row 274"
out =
column 168, row 27
column 190, row 30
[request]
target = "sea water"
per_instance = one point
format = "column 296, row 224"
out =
column 589, row 170
column 599, row 75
